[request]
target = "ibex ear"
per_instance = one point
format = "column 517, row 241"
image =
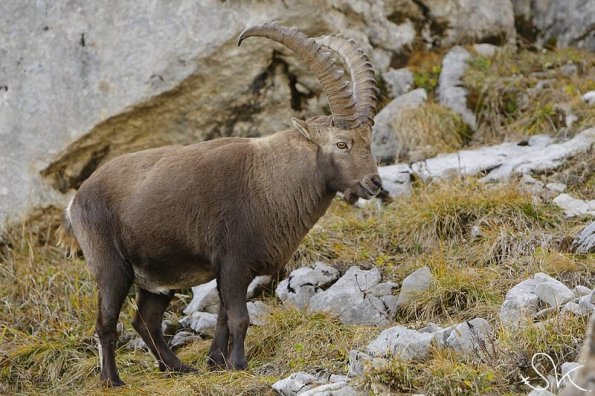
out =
column 302, row 127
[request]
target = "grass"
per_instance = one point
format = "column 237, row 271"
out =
column 428, row 130
column 503, row 92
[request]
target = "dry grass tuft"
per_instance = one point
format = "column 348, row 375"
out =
column 428, row 130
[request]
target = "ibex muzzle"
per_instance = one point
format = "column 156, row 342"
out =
column 230, row 208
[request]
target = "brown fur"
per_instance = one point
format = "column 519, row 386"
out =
column 231, row 209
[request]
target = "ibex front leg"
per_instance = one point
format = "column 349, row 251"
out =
column 234, row 280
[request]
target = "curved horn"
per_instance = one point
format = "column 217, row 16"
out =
column 364, row 88
column 320, row 63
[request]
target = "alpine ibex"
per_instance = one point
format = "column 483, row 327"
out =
column 230, row 208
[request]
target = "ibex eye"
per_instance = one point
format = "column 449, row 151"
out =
column 342, row 145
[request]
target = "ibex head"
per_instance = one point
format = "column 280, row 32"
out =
column 344, row 138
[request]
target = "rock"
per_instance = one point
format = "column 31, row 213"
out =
column 385, row 139
column 576, row 309
column 556, row 187
column 486, row 50
column 418, row 281
column 504, row 160
column 581, row 290
column 469, row 21
column 430, row 328
column 396, row 179
column 333, row 389
column 296, row 383
column 357, row 362
column 258, row 284
column 520, row 304
column 575, row 207
column 202, row 323
column 205, row 297
column 303, row 283
column 182, row 338
column 585, row 376
column 401, row 342
column 137, row 344
column 451, row 92
column 171, row 69
column 584, row 242
column 551, row 291
column 440, row 337
column 338, row 378
column 541, row 392
column 352, row 299
column 587, row 303
column 259, row 312
column 470, row 336
column 589, row 97
column 569, row 373
column 566, row 23
column 398, row 81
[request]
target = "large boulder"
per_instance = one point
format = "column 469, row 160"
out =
column 358, row 297
column 81, row 82
column 564, row 23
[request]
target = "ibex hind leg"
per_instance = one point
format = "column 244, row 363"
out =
column 113, row 281
column 147, row 323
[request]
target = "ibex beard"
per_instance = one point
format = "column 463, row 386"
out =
column 231, row 208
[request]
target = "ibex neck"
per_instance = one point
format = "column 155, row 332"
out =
column 294, row 189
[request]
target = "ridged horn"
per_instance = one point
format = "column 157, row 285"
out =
column 365, row 92
column 321, row 64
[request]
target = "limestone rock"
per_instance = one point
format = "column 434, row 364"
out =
column 470, row 336
column 501, row 161
column 332, row 389
column 399, row 341
column 258, row 284
column 304, row 282
column 585, row 376
column 520, row 304
column 486, row 50
column 575, row 207
column 398, row 81
column 566, row 23
column 205, row 297
column 182, row 338
column 396, row 179
column 259, row 312
column 589, row 97
column 202, row 323
column 296, row 383
column 552, row 291
column 385, row 139
column 418, row 281
column 584, row 242
column 352, row 299
column 451, row 92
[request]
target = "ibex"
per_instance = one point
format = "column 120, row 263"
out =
column 230, row 208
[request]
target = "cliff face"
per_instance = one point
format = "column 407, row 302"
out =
column 83, row 82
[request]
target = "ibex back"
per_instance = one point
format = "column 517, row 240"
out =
column 230, row 208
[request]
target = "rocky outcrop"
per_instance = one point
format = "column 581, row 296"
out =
column 564, row 23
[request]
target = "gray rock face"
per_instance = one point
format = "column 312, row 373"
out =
column 259, row 312
column 81, row 83
column 304, row 282
column 418, row 281
column 584, row 242
column 182, row 338
column 520, row 304
column 575, row 207
column 451, row 92
column 332, row 389
column 567, row 23
column 399, row 81
column 501, row 161
column 399, row 341
column 472, row 21
column 469, row 336
column 357, row 298
column 205, row 298
column 202, row 323
column 385, row 136
column 552, row 291
column 296, row 383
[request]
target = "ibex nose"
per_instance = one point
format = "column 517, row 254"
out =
column 377, row 181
